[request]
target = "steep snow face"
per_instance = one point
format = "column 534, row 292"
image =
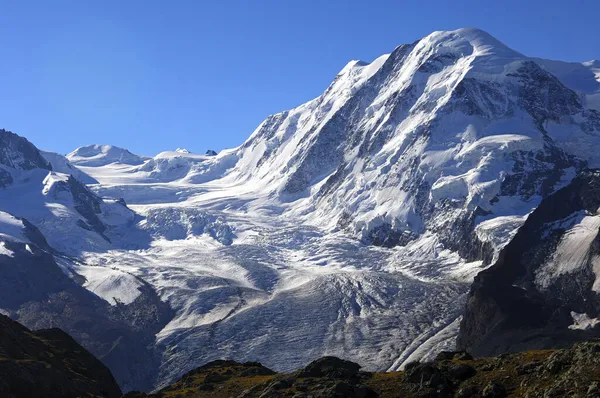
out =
column 101, row 155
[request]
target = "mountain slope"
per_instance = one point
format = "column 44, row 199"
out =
column 61, row 164
column 351, row 225
column 424, row 140
column 49, row 363
column 46, row 217
column 543, row 291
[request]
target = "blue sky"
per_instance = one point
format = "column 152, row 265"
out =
column 157, row 75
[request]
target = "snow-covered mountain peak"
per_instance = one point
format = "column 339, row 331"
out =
column 101, row 155
column 468, row 41
column 444, row 120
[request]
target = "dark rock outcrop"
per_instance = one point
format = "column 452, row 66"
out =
column 18, row 153
column 526, row 300
column 537, row 374
column 49, row 363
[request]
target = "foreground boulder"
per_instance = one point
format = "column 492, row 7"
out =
column 49, row 363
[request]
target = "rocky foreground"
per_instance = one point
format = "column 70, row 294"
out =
column 49, row 363
column 573, row 372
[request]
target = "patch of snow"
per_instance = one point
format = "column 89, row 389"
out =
column 11, row 228
column 572, row 252
column 581, row 321
column 4, row 251
column 112, row 285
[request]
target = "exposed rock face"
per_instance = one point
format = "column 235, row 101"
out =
column 18, row 153
column 49, row 363
column 543, row 290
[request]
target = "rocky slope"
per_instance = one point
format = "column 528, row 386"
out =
column 573, row 372
column 543, row 290
column 49, row 363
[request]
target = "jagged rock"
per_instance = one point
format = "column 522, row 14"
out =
column 576, row 376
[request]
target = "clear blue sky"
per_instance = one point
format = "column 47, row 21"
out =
column 200, row 74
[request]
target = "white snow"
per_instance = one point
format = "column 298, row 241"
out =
column 427, row 346
column 5, row 251
column 581, row 321
column 584, row 78
column 11, row 228
column 62, row 165
column 101, row 155
column 110, row 284
column 572, row 252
